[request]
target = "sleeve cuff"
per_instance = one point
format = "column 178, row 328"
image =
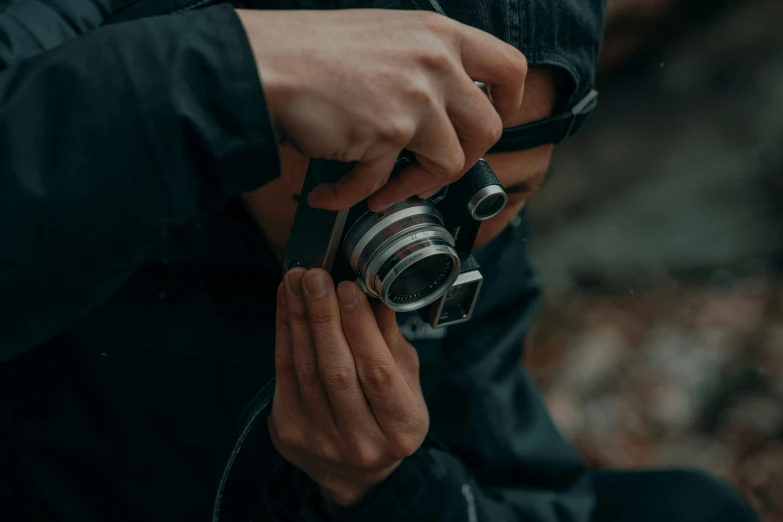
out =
column 394, row 500
column 565, row 34
column 246, row 100
column 226, row 141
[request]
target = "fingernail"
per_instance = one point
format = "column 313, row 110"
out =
column 293, row 282
column 315, row 283
column 347, row 295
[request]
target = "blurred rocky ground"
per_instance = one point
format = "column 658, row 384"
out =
column 681, row 375
column 658, row 239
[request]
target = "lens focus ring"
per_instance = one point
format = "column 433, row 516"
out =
column 404, row 255
column 372, row 230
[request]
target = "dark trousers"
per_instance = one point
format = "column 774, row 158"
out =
column 667, row 496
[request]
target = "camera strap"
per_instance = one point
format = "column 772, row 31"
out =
column 548, row 131
column 551, row 130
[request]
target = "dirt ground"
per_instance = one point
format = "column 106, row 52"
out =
column 659, row 243
column 684, row 375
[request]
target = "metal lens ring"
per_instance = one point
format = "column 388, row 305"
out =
column 403, row 255
column 418, row 274
column 487, row 202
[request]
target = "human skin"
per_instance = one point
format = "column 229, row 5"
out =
column 521, row 173
column 348, row 406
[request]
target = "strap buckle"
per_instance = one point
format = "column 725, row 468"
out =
column 582, row 108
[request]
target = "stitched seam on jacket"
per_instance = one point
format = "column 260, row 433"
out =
column 187, row 7
column 195, row 5
column 121, row 10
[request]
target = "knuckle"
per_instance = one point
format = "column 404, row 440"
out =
column 352, row 150
column 339, row 378
column 327, row 451
column 433, row 21
column 452, row 166
column 297, row 314
column 356, row 330
column 494, row 128
column 408, row 440
column 289, row 436
column 520, row 63
column 323, row 316
column 418, row 90
column 488, row 126
column 365, row 456
column 378, row 377
column 284, row 362
column 437, row 59
column 397, row 130
column 359, row 139
column 407, row 445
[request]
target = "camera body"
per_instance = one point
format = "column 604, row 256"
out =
column 415, row 255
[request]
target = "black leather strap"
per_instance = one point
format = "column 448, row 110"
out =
column 550, row 130
column 254, row 412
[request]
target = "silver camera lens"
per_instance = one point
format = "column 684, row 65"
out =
column 403, row 255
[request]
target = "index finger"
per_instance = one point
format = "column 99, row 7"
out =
column 384, row 385
column 285, row 373
column 364, row 179
column 499, row 65
column 335, row 361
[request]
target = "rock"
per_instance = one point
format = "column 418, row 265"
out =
column 565, row 411
column 759, row 415
column 673, row 407
column 760, row 474
column 674, row 378
column 696, row 452
column 595, row 358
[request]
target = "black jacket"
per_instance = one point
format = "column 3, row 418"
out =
column 137, row 301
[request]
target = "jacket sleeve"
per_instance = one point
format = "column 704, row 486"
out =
column 29, row 27
column 563, row 34
column 106, row 140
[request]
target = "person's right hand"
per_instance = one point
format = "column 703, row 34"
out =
column 360, row 86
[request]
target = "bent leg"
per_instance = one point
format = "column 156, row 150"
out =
column 667, row 496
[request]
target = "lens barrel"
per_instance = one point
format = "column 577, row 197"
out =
column 404, row 256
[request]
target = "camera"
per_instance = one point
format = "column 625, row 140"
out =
column 414, row 255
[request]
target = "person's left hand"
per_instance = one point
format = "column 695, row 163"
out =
column 348, row 405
